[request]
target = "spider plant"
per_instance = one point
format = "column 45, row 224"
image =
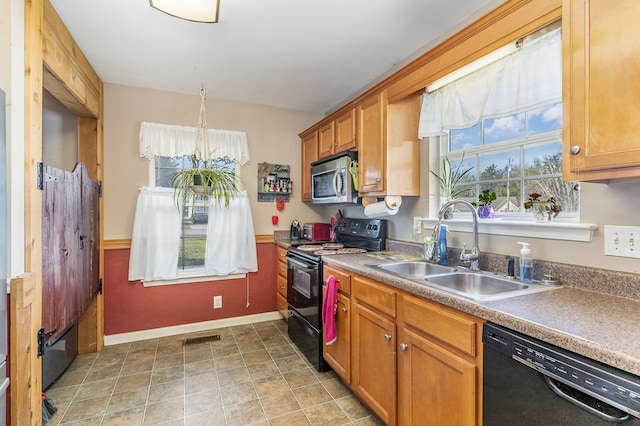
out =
column 452, row 181
column 207, row 178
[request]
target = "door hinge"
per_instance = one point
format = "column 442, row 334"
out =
column 100, row 286
column 98, row 187
column 42, row 338
column 44, row 177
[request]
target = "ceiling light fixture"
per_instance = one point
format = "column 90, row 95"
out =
column 191, row 10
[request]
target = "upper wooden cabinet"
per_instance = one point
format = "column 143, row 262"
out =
column 309, row 155
column 371, row 136
column 600, row 94
column 388, row 146
column 338, row 135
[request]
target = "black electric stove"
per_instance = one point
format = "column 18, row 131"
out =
column 304, row 279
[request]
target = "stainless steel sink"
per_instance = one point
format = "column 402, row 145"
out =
column 482, row 286
column 414, row 269
column 475, row 285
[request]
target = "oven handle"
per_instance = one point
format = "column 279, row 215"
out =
column 302, row 265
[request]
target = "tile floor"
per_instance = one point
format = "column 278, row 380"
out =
column 252, row 376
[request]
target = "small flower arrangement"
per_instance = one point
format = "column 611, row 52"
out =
column 543, row 208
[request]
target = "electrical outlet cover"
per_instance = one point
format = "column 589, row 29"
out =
column 622, row 241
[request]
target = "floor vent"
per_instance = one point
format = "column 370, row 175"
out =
column 200, row 339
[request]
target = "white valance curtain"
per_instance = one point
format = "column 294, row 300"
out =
column 167, row 140
column 505, row 87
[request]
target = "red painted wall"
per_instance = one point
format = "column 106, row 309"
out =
column 129, row 306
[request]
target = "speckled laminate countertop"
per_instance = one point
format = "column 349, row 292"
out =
column 598, row 326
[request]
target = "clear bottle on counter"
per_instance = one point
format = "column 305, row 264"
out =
column 526, row 263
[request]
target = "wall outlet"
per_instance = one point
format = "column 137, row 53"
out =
column 217, row 302
column 622, row 241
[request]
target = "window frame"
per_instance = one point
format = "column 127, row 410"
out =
column 191, row 274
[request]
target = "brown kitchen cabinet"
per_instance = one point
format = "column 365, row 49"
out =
column 281, row 282
column 388, row 146
column 338, row 354
column 439, row 360
column 373, row 350
column 601, row 103
column 413, row 361
column 371, row 136
column 309, row 155
column 338, row 135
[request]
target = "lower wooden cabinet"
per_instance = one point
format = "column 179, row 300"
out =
column 412, row 361
column 281, row 282
column 338, row 354
column 374, row 361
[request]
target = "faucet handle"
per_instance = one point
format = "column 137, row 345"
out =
column 463, row 254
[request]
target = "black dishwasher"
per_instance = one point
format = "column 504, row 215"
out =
column 529, row 382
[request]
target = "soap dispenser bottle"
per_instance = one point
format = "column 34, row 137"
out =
column 526, row 263
column 442, row 245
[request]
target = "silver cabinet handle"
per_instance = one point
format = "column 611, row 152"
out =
column 387, row 337
column 575, row 150
column 403, row 346
column 378, row 180
column 344, row 310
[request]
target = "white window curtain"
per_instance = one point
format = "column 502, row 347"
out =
column 166, row 140
column 231, row 241
column 155, row 242
column 505, row 87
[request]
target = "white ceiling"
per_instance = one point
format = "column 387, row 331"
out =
column 310, row 55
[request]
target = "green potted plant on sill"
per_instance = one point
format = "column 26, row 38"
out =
column 485, row 198
column 208, row 178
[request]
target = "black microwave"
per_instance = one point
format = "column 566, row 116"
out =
column 331, row 181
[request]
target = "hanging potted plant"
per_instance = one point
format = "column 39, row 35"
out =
column 208, row 178
column 485, row 198
column 451, row 181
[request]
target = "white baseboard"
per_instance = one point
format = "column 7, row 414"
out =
column 134, row 336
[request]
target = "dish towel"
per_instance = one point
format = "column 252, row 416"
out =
column 329, row 308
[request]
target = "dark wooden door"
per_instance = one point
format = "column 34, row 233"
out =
column 70, row 235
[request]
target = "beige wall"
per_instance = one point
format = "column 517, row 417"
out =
column 272, row 134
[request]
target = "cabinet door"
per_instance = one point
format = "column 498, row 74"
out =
column 309, row 155
column 345, row 131
column 338, row 354
column 374, row 361
column 326, row 140
column 435, row 386
column 371, row 144
column 602, row 101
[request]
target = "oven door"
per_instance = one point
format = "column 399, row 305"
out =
column 303, row 289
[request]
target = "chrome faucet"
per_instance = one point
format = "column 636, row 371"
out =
column 471, row 258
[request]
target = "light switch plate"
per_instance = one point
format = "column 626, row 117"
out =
column 622, row 241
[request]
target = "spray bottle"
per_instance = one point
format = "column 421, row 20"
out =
column 526, row 263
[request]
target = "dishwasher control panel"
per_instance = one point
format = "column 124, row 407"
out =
column 616, row 387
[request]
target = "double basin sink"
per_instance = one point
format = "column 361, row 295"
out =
column 475, row 285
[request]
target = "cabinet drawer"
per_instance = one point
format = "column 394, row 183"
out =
column 454, row 328
column 281, row 304
column 282, row 270
column 281, row 253
column 281, row 284
column 343, row 277
column 377, row 296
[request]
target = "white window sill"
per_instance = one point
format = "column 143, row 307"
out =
column 190, row 277
column 554, row 230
